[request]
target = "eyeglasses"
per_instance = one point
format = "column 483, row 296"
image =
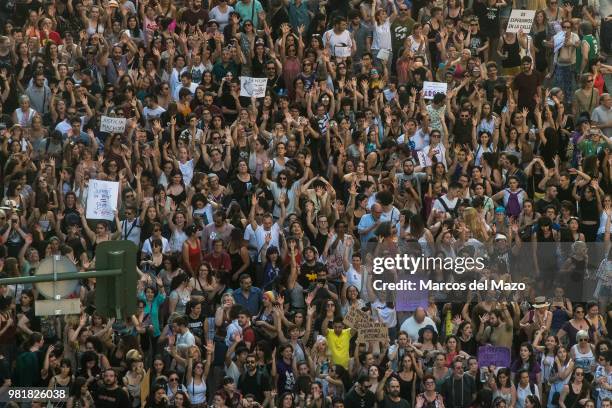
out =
column 173, row 379
column 248, row 24
column 429, row 382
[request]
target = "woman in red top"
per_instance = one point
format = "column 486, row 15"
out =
column 192, row 251
column 599, row 69
column 45, row 32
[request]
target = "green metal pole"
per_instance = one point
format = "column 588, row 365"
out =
column 115, row 261
column 60, row 277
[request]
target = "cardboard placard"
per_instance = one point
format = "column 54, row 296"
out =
column 109, row 124
column 367, row 328
column 520, row 19
column 376, row 332
column 253, row 87
column 491, row 355
column 102, row 200
column 355, row 318
column 432, row 88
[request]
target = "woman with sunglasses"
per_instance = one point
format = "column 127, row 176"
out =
column 429, row 398
column 583, row 354
column 573, row 326
column 196, row 375
column 174, row 386
column 576, row 392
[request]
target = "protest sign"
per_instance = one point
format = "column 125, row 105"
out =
column 112, row 125
column 342, row 51
column 355, row 318
column 367, row 328
column 432, row 88
column 520, row 19
column 424, row 160
column 376, row 332
column 383, row 55
column 253, row 87
column 409, row 300
column 102, row 197
column 496, row 356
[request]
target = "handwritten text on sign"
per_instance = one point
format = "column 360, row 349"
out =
column 102, row 199
column 432, row 88
column 253, row 87
column 112, row 125
column 520, row 19
column 367, row 328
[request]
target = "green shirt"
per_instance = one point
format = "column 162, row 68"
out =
column 589, row 148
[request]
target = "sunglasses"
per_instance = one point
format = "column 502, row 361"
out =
column 173, row 379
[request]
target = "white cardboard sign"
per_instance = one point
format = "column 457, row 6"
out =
column 520, row 19
column 432, row 88
column 102, row 198
column 253, row 87
column 112, row 125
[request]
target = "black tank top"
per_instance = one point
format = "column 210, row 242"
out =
column 514, row 56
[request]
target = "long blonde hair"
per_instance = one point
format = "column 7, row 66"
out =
column 473, row 221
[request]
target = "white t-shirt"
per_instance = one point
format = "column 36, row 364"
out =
column 147, row 246
column 420, row 139
column 184, row 341
column 440, row 156
column 150, row 114
column 260, row 234
column 451, row 204
column 187, row 171
column 339, row 44
column 221, row 17
column 382, row 36
column 411, row 327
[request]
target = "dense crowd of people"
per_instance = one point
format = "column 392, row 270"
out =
column 258, row 219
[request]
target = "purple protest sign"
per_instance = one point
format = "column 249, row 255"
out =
column 496, row 356
column 409, row 300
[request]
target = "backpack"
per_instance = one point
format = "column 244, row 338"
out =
column 513, row 206
column 452, row 212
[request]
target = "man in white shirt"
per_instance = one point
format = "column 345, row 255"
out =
column 184, row 338
column 448, row 202
column 130, row 226
column 602, row 115
column 147, row 246
column 152, row 110
column 338, row 40
column 185, row 83
column 416, row 322
column 435, row 148
column 420, row 139
column 269, row 231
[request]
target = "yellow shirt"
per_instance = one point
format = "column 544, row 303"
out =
column 339, row 347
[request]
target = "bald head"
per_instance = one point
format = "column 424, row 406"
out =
column 377, row 210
